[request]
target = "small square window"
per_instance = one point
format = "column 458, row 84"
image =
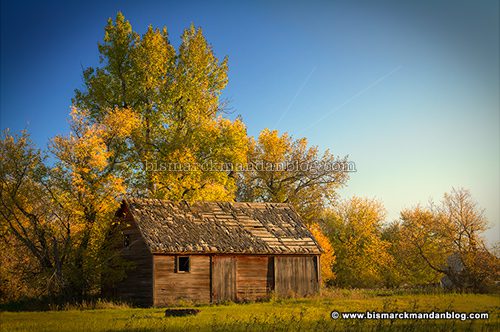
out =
column 183, row 264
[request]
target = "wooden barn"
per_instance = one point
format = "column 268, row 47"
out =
column 214, row 252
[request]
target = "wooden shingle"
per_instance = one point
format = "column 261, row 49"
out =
column 221, row 227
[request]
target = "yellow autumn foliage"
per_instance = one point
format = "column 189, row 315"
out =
column 354, row 228
column 327, row 259
column 287, row 170
column 89, row 184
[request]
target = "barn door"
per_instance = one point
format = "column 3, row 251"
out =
column 223, row 278
column 296, row 275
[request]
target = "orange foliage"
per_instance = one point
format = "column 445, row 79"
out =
column 328, row 257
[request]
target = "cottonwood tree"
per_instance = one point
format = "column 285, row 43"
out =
column 61, row 213
column 87, row 182
column 354, row 229
column 408, row 268
column 16, row 269
column 176, row 96
column 448, row 238
column 31, row 221
column 146, row 104
column 286, row 170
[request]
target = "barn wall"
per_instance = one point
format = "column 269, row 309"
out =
column 296, row 275
column 220, row 278
column 137, row 287
column 253, row 278
column 170, row 286
column 216, row 278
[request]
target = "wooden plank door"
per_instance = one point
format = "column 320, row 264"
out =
column 296, row 275
column 223, row 278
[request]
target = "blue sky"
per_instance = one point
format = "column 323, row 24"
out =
column 409, row 90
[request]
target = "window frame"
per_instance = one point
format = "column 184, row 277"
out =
column 177, row 264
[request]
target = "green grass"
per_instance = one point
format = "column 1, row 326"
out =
column 311, row 314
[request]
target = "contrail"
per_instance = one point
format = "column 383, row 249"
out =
column 295, row 97
column 353, row 97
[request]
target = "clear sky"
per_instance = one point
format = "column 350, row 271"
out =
column 408, row 89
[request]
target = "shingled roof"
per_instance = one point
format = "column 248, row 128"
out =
column 221, row 227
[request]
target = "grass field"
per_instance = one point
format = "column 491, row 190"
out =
column 311, row 314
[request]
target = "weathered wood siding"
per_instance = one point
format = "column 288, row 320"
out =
column 137, row 287
column 296, row 275
column 220, row 278
column 223, row 278
column 252, row 277
column 170, row 286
